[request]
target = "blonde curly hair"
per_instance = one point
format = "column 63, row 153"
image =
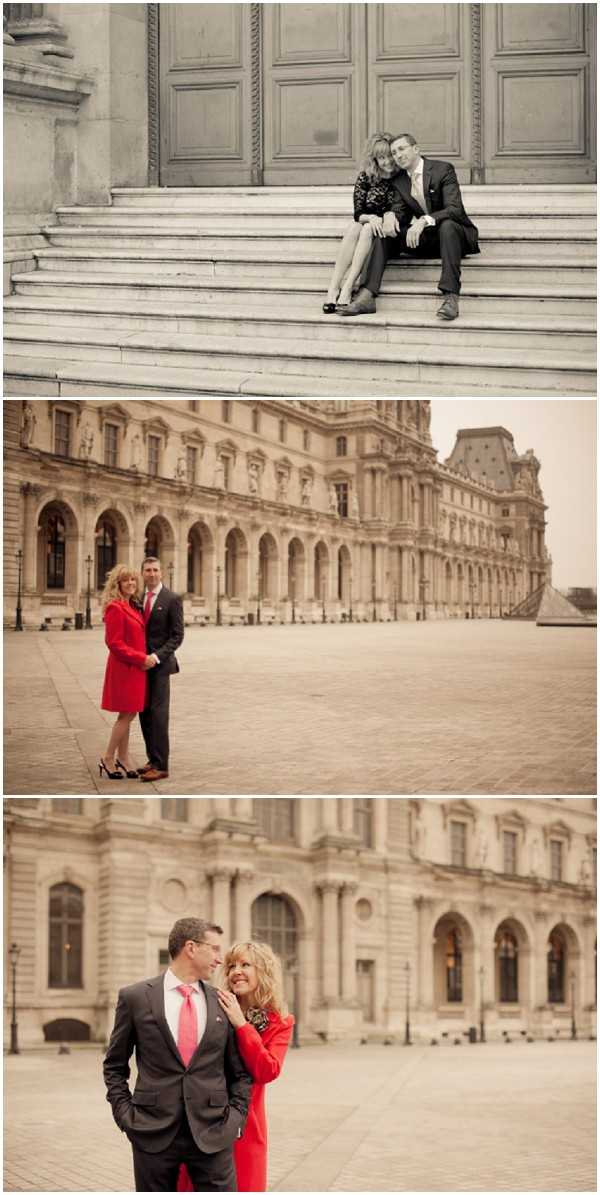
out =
column 269, row 993
column 368, row 162
column 111, row 591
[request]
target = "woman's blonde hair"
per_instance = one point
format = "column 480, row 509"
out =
column 111, row 591
column 368, row 163
column 269, row 993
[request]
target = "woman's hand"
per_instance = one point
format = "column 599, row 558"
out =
column 376, row 223
column 231, row 1008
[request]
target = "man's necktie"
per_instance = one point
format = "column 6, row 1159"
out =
column 187, row 1029
column 148, row 606
column 416, row 190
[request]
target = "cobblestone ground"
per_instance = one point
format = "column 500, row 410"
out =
column 475, row 1118
column 436, row 707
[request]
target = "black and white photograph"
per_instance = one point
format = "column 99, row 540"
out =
column 300, row 200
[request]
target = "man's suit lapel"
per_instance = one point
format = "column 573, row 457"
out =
column 403, row 184
column 157, row 1004
column 427, row 170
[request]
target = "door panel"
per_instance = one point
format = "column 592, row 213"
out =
column 539, row 92
column 205, row 94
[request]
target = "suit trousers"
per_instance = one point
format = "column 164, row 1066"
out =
column 446, row 240
column 154, row 719
column 208, row 1172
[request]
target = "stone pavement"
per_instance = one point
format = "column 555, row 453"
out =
column 342, row 1118
column 384, row 708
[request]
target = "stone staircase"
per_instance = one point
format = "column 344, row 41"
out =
column 219, row 291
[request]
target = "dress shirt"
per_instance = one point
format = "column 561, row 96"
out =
column 174, row 1001
column 154, row 594
column 417, row 190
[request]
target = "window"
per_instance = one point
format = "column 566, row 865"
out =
column 255, row 420
column 341, row 489
column 556, row 859
column 226, row 411
column 505, row 512
column 191, row 459
column 106, row 551
column 508, row 954
column 153, row 455
column 71, row 805
column 273, row 921
column 454, row 984
column 226, row 471
column 65, row 937
column 556, row 970
column 363, row 820
column 62, row 433
column 111, row 443
column 306, row 440
column 282, row 431
column 164, row 960
column 510, row 852
column 55, row 552
column 275, row 818
column 341, row 446
column 458, row 844
column 174, row 809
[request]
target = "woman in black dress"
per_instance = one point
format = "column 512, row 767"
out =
column 371, row 193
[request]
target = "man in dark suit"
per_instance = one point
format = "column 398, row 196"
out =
column 426, row 219
column 192, row 1092
column 163, row 616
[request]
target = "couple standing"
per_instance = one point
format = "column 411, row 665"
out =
column 143, row 629
column 403, row 204
column 196, row 1118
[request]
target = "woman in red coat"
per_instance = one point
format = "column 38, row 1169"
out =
column 125, row 677
column 253, row 1001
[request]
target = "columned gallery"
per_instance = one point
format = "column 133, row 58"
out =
column 453, row 914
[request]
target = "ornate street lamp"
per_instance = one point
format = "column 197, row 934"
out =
column 350, row 598
column 219, row 571
column 293, row 594
column 258, row 597
column 19, row 612
column 13, row 955
column 323, row 610
column 407, row 1041
column 472, row 591
column 482, row 1008
column 374, row 598
column 573, row 1024
column 395, row 603
column 88, row 602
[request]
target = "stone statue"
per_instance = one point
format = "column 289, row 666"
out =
column 534, row 857
column 181, row 468
column 87, row 442
column 282, row 485
column 333, row 502
column 585, row 873
column 306, row 491
column 253, row 478
column 136, row 452
column 354, row 506
column 483, row 850
column 28, row 422
column 219, row 479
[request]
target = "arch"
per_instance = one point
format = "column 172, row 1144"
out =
column 236, row 558
column 344, row 574
column 274, row 920
column 159, row 539
column 57, row 547
column 321, row 571
column 268, row 558
column 200, row 560
column 67, row 1029
column 448, row 583
column 459, row 583
column 112, row 543
column 296, row 578
column 512, row 951
column 453, row 946
column 65, row 935
column 563, row 956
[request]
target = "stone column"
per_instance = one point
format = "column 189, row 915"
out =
column 406, row 577
column 347, row 808
column 348, row 942
column 540, row 960
column 221, row 900
column 329, row 815
column 243, row 906
column 330, row 940
column 487, row 957
column 405, row 517
column 31, row 496
column 244, row 809
column 586, row 996
column 141, row 512
column 424, row 906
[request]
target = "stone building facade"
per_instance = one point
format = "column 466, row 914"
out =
column 451, row 911
column 291, row 510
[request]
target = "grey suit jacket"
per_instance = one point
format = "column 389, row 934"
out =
column 214, row 1089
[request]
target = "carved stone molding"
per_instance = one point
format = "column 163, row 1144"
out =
column 256, row 174
column 477, row 172
column 153, row 95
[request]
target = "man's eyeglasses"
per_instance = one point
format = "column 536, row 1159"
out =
column 202, row 942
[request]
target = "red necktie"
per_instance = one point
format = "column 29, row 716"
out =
column 148, row 606
column 187, row 1029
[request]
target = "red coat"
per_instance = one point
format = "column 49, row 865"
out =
column 125, row 678
column 262, row 1055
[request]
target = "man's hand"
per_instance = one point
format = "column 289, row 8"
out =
column 413, row 235
column 150, row 662
column 390, row 224
column 376, row 223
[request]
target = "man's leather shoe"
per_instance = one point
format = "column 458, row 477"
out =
column 363, row 304
column 148, row 767
column 449, row 308
column 154, row 774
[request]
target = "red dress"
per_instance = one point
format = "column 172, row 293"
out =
column 262, row 1055
column 125, row 678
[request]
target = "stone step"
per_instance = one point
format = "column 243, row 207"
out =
column 559, row 371
column 555, row 253
column 503, row 199
column 227, row 319
column 399, row 280
column 34, row 375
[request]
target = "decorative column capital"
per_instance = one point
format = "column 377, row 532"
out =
column 220, row 873
column 328, row 885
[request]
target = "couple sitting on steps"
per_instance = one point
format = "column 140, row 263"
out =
column 403, row 204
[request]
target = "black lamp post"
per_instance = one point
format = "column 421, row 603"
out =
column 19, row 612
column 13, row 955
column 171, row 574
column 350, row 598
column 472, row 591
column 407, row 1041
column 323, row 610
column 482, row 1007
column 258, row 596
column 374, row 598
column 293, row 594
column 573, row 1024
column 88, row 602
column 219, row 595
column 395, row 603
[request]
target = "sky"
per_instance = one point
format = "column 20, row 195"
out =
column 562, row 433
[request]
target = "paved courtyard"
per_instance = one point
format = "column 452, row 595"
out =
column 475, row 1118
column 435, row 707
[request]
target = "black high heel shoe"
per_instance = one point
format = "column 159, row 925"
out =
column 109, row 775
column 328, row 308
column 129, row 775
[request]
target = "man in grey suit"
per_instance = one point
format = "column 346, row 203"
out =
column 192, row 1093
